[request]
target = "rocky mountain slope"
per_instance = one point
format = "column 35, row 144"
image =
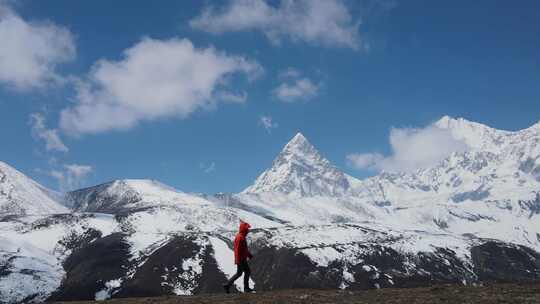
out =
column 474, row 217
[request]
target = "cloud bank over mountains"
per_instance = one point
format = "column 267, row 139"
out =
column 412, row 149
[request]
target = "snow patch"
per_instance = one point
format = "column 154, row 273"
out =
column 224, row 257
column 107, row 292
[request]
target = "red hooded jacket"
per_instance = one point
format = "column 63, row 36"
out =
column 241, row 251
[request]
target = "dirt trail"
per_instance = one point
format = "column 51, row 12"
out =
column 497, row 293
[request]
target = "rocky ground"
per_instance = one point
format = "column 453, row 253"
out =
column 496, row 293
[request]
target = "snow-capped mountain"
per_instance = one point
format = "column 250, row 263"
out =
column 520, row 147
column 496, row 178
column 300, row 170
column 125, row 195
column 491, row 190
column 476, row 135
column 473, row 217
column 21, row 195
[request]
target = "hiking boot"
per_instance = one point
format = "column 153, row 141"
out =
column 227, row 288
column 248, row 290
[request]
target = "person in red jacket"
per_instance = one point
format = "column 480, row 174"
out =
column 241, row 256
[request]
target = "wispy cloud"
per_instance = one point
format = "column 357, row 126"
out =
column 155, row 79
column 71, row 176
column 208, row 168
column 295, row 87
column 52, row 139
column 412, row 149
column 267, row 123
column 299, row 89
column 31, row 51
column 319, row 22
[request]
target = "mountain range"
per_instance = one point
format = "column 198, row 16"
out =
column 472, row 217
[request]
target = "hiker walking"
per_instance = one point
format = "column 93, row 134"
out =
column 241, row 256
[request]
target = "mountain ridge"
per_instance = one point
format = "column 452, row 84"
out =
column 472, row 218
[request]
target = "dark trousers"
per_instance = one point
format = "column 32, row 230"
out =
column 242, row 267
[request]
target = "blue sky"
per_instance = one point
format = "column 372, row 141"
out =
column 343, row 76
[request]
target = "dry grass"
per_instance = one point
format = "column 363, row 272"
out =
column 488, row 294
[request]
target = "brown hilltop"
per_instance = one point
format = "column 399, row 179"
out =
column 488, row 294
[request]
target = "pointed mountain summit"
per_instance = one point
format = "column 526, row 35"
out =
column 20, row 195
column 300, row 170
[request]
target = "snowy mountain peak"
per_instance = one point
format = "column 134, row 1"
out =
column 523, row 143
column 444, row 121
column 450, row 123
column 298, row 140
column 21, row 195
column 300, row 148
column 475, row 135
column 300, row 170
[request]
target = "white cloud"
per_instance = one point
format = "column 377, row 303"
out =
column 208, row 168
column 52, row 139
column 31, row 51
column 155, row 79
column 58, row 175
column 412, row 149
column 295, row 88
column 267, row 123
column 79, row 171
column 370, row 161
column 71, row 176
column 318, row 22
